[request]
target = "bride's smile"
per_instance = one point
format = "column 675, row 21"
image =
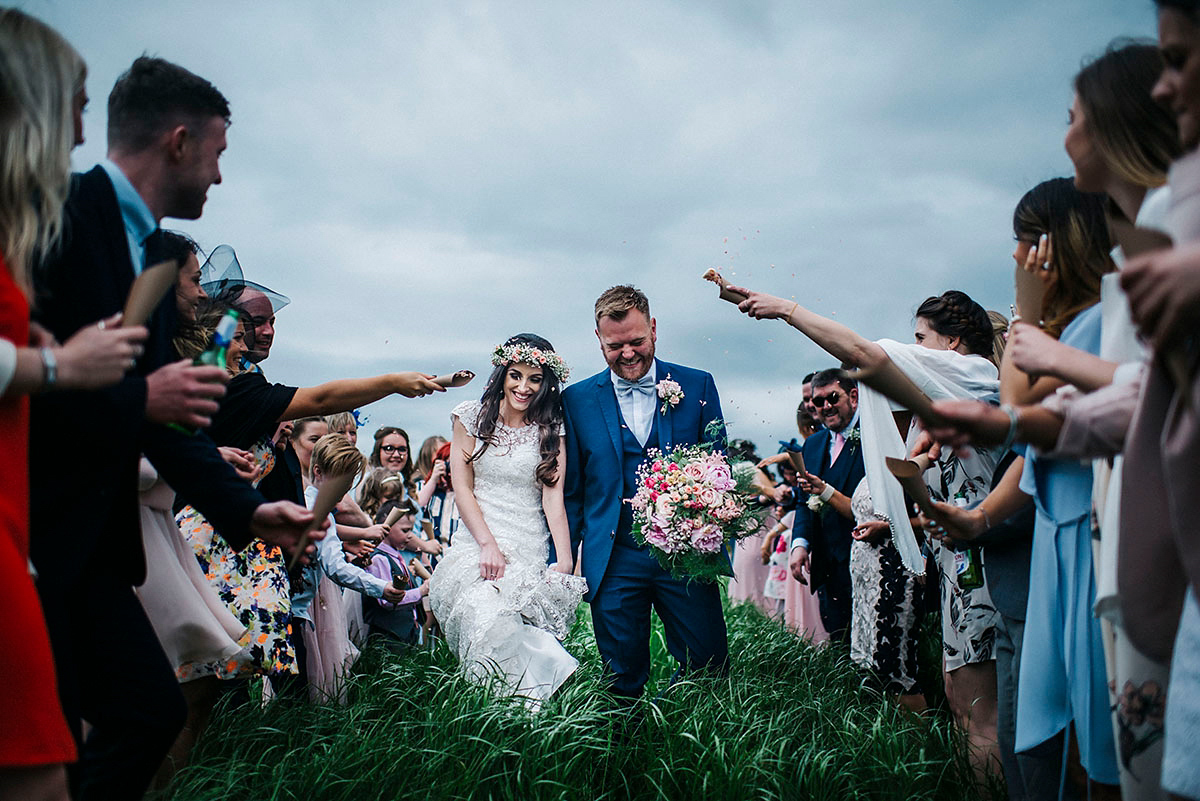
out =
column 522, row 383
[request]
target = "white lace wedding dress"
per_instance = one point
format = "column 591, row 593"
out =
column 507, row 631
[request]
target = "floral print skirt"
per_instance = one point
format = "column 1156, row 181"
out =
column 969, row 617
column 253, row 583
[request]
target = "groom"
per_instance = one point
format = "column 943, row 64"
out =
column 613, row 419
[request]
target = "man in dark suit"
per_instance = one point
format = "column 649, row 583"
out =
column 613, row 420
column 166, row 130
column 821, row 537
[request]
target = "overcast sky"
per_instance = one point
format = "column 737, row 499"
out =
column 427, row 179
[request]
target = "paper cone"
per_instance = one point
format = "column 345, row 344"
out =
column 458, row 379
column 332, row 490
column 888, row 380
column 909, row 475
column 427, row 527
column 148, row 290
column 415, row 566
column 726, row 293
column 797, row 460
column 1030, row 294
column 394, row 515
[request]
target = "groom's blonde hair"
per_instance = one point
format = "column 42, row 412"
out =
column 617, row 301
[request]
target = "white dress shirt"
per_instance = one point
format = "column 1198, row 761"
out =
column 637, row 408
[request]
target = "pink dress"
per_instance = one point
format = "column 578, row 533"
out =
column 801, row 609
column 749, row 572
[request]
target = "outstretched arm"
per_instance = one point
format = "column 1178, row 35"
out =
column 840, row 342
column 556, row 516
column 350, row 393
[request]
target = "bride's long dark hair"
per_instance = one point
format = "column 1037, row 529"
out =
column 545, row 410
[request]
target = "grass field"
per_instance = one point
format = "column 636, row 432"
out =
column 789, row 721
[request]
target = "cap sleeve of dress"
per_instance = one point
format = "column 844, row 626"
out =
column 468, row 413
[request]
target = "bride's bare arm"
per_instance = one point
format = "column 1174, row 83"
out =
column 840, row 342
column 491, row 561
column 556, row 515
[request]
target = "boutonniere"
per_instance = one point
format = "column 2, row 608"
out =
column 670, row 393
column 853, row 437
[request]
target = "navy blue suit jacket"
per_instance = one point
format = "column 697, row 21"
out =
column 828, row 533
column 594, row 485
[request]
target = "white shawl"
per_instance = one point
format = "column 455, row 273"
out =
column 940, row 374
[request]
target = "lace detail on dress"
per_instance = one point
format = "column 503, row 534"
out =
column 467, row 412
column 508, row 627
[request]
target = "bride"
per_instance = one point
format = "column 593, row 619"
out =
column 503, row 611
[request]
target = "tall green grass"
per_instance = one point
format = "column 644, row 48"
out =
column 788, row 722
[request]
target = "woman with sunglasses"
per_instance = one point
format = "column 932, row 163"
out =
column 952, row 358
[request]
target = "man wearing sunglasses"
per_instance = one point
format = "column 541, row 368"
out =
column 820, row 535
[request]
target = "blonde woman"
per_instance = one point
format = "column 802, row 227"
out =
column 42, row 97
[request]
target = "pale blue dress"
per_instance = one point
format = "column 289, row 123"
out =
column 1063, row 675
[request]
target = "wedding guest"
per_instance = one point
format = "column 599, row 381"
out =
column 317, row 607
column 42, row 97
column 1063, row 679
column 166, row 130
column 355, row 530
column 191, row 621
column 378, row 487
column 806, row 400
column 344, row 423
column 393, row 452
column 441, row 511
column 425, row 460
column 1120, row 142
column 394, row 623
column 820, row 538
column 181, row 248
column 749, row 570
column 950, row 359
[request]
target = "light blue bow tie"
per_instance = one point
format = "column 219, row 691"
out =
column 644, row 385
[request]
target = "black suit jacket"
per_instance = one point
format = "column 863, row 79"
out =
column 84, row 445
column 827, row 532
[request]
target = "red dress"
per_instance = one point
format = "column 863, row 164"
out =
column 32, row 728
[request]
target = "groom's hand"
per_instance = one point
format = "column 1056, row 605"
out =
column 799, row 564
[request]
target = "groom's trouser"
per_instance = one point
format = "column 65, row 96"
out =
column 693, row 620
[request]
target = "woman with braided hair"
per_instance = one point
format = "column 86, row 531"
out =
column 953, row 357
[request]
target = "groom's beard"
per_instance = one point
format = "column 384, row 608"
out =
column 635, row 368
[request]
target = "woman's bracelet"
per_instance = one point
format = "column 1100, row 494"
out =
column 788, row 318
column 987, row 520
column 827, row 493
column 1011, row 436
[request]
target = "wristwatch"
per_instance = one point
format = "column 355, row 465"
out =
column 49, row 368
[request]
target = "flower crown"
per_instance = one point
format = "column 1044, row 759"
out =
column 528, row 354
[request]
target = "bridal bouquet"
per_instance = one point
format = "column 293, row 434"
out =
column 690, row 504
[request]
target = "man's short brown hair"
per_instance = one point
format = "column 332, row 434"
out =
column 617, row 301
